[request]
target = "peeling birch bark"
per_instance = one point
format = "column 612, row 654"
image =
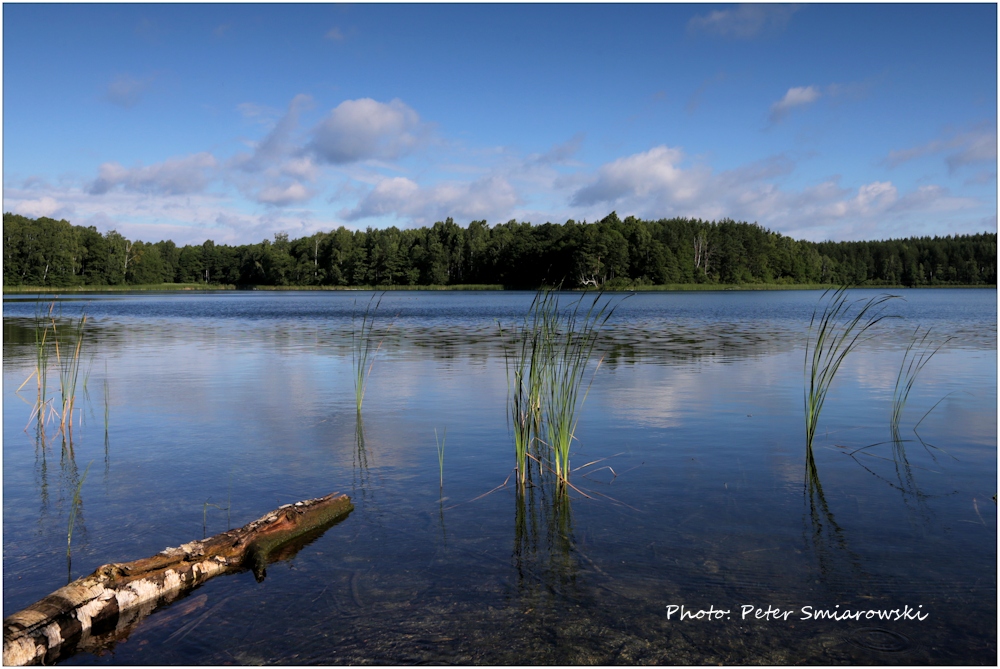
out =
column 104, row 607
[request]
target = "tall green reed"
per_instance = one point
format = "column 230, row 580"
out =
column 546, row 361
column 67, row 347
column 41, row 371
column 918, row 353
column 569, row 344
column 840, row 328
column 362, row 342
column 524, row 360
column 68, row 361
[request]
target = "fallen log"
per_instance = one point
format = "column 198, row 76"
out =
column 107, row 604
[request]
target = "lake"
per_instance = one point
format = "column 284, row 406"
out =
column 204, row 411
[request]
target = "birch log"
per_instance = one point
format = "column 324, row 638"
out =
column 109, row 602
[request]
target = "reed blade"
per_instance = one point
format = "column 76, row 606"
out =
column 843, row 324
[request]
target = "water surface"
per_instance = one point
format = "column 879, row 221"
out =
column 701, row 496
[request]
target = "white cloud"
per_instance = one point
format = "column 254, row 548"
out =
column 656, row 184
column 174, row 176
column 281, row 195
column 490, row 198
column 795, row 97
column 876, row 196
column 364, row 129
column 186, row 219
column 301, row 167
column 744, row 22
column 933, row 198
column 388, row 197
column 655, row 175
column 44, row 206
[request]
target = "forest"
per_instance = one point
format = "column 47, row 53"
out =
column 611, row 253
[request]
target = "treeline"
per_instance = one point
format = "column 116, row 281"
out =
column 611, row 253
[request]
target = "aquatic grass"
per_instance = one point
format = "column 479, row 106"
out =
column 67, row 349
column 69, row 370
column 569, row 345
column 525, row 369
column 518, row 405
column 440, row 453
column 362, row 355
column 41, row 371
column 918, row 354
column 42, row 358
column 841, row 327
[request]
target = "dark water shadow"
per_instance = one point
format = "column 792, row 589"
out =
column 839, row 568
column 543, row 556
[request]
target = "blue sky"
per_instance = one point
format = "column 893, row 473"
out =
column 232, row 122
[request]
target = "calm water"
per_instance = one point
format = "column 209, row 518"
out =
column 700, row 498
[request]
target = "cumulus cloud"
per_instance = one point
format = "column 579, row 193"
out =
column 874, row 197
column 357, row 130
column 795, row 97
column 126, row 91
column 489, row 197
column 174, row 176
column 745, row 21
column 657, row 183
column 654, row 174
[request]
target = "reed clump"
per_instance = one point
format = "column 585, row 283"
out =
column 547, row 361
column 570, row 345
column 524, row 359
column 840, row 328
column 66, row 346
column 68, row 361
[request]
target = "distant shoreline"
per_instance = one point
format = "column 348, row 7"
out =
column 668, row 288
